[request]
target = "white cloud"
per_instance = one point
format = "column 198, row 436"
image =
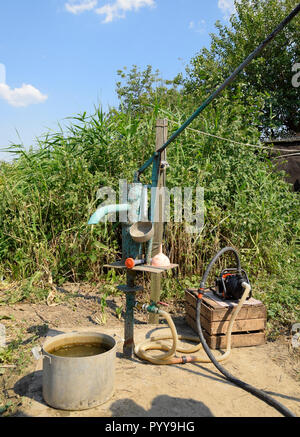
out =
column 111, row 10
column 198, row 26
column 227, row 7
column 21, row 97
column 79, row 6
column 119, row 8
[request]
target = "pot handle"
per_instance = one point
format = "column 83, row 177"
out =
column 121, row 340
column 37, row 352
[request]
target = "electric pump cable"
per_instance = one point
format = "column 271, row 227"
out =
column 257, row 146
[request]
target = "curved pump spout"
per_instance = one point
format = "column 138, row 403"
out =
column 108, row 209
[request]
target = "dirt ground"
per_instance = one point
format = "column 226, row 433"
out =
column 142, row 389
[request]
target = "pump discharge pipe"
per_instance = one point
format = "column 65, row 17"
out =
column 105, row 210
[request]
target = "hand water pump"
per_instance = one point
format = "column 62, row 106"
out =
column 139, row 229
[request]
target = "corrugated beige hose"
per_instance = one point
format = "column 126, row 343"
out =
column 157, row 343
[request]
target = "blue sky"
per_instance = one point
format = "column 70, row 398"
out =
column 60, row 57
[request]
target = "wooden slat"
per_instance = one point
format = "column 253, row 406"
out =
column 238, row 326
column 141, row 268
column 212, row 311
column 248, row 328
column 161, row 138
column 242, row 339
column 221, row 326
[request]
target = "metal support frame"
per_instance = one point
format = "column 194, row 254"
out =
column 130, row 290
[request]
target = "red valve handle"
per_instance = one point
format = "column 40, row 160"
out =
column 163, row 303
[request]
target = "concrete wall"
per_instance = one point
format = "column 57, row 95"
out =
column 291, row 165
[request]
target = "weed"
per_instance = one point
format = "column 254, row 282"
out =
column 103, row 306
column 119, row 311
column 4, row 408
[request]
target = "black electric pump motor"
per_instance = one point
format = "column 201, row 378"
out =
column 229, row 284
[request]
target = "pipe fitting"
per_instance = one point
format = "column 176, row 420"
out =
column 152, row 308
column 140, row 306
column 105, row 210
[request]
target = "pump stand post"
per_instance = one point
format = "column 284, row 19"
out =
column 130, row 290
column 161, row 138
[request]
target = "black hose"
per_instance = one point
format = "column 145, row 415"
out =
column 256, row 392
column 215, row 258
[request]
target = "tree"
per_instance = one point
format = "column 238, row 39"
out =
column 139, row 89
column 270, row 75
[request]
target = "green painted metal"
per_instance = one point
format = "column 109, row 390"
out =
column 144, row 167
column 130, row 248
column 129, row 316
column 152, row 308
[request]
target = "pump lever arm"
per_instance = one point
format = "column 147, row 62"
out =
column 218, row 91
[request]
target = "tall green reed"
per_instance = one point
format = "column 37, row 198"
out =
column 48, row 193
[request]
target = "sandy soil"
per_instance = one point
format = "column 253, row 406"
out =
column 143, row 389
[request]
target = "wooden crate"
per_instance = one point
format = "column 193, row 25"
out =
column 248, row 328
